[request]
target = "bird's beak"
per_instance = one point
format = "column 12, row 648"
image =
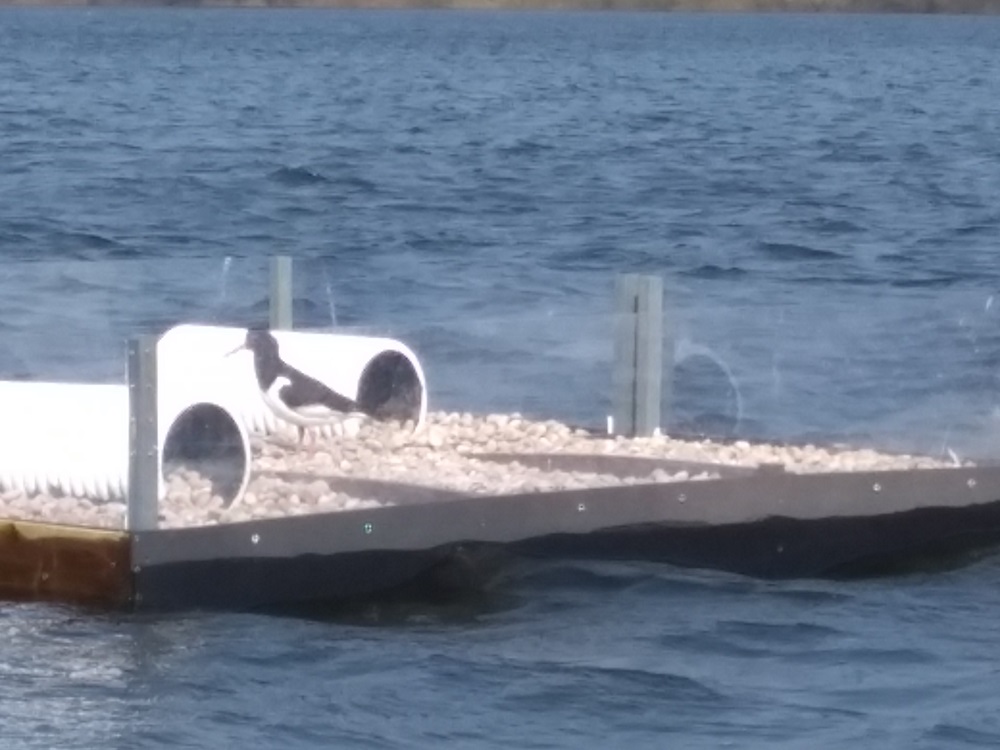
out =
column 239, row 348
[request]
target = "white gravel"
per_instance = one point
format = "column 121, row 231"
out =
column 446, row 453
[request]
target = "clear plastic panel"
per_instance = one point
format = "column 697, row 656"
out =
column 897, row 376
column 66, row 325
column 898, row 369
column 63, row 394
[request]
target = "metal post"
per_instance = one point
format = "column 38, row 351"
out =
column 281, row 292
column 638, row 352
column 144, row 458
column 667, row 379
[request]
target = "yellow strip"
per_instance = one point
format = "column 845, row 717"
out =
column 33, row 530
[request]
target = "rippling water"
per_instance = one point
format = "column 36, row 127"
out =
column 819, row 193
column 564, row 657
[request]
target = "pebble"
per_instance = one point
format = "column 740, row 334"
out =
column 447, row 452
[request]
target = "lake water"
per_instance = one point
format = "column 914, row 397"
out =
column 820, row 194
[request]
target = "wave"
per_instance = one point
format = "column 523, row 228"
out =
column 297, row 176
column 852, row 154
column 618, row 685
column 591, row 576
column 712, row 271
column 47, row 244
column 89, row 240
column 69, row 123
column 930, row 282
column 792, row 251
column 917, row 152
column 834, row 226
column 976, row 229
column 900, row 258
column 525, row 147
column 358, row 183
column 954, row 734
column 12, row 238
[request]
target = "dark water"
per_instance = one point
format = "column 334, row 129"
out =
column 566, row 656
column 820, row 194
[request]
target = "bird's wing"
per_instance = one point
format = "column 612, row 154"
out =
column 308, row 391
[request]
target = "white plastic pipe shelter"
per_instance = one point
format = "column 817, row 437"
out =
column 382, row 374
column 73, row 438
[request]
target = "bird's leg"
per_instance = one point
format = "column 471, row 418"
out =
column 303, row 432
column 317, row 440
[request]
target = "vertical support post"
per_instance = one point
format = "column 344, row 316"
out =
column 281, row 292
column 143, row 444
column 638, row 355
column 667, row 379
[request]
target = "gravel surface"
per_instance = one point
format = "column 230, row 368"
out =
column 448, row 452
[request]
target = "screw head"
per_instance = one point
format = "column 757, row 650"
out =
column 369, row 528
column 682, row 498
column 877, row 487
column 255, row 538
column 971, row 482
column 581, row 507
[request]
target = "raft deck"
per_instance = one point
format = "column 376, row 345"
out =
column 763, row 522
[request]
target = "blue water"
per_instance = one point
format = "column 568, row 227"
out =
column 820, row 195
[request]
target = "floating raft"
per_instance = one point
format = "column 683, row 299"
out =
column 448, row 504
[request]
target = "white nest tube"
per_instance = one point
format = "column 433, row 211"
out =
column 73, row 439
column 382, row 374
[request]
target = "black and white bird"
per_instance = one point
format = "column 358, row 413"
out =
column 292, row 395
